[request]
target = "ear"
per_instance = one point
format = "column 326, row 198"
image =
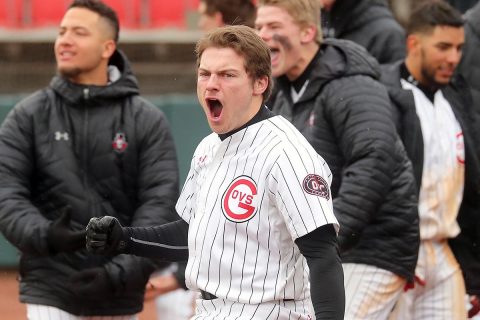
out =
column 218, row 18
column 308, row 34
column 109, row 47
column 413, row 43
column 260, row 85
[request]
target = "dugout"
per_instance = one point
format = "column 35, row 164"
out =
column 188, row 125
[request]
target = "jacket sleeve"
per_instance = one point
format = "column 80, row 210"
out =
column 360, row 116
column 20, row 221
column 157, row 191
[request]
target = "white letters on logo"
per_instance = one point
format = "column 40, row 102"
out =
column 61, row 136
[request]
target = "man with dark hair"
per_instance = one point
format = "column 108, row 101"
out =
column 370, row 23
column 433, row 116
column 219, row 13
column 330, row 91
column 255, row 202
column 87, row 145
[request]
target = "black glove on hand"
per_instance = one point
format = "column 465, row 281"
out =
column 106, row 236
column 63, row 239
column 92, row 283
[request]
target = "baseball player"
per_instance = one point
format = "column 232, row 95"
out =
column 256, row 202
column 432, row 108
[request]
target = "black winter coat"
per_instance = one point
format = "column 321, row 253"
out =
column 102, row 151
column 345, row 114
column 369, row 23
column 469, row 67
column 466, row 246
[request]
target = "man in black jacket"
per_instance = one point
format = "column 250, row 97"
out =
column 469, row 66
column 434, row 118
column 329, row 91
column 465, row 246
column 369, row 23
column 86, row 146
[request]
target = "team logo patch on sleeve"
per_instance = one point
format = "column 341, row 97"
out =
column 316, row 185
column 238, row 201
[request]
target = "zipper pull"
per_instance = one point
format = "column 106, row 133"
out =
column 86, row 93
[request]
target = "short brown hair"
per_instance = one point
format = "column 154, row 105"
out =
column 234, row 12
column 426, row 16
column 245, row 42
column 303, row 12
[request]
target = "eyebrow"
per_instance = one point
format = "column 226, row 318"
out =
column 221, row 70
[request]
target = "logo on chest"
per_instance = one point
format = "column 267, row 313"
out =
column 239, row 199
column 119, row 143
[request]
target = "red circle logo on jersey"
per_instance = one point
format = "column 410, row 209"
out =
column 316, row 185
column 238, row 199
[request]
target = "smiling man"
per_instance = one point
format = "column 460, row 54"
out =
column 434, row 113
column 87, row 145
column 255, row 204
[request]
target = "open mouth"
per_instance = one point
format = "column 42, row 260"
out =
column 215, row 107
column 274, row 52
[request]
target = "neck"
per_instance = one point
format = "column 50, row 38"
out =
column 413, row 68
column 96, row 77
column 306, row 57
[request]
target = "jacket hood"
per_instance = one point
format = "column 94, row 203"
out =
column 343, row 58
column 126, row 85
column 472, row 17
column 347, row 15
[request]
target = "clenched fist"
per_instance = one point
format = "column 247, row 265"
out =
column 106, row 235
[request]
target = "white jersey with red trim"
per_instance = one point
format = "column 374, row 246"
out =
column 246, row 200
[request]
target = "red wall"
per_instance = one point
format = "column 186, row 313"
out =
column 48, row 13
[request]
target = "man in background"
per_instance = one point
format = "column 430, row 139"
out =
column 369, row 23
column 465, row 245
column 85, row 146
column 218, row 13
column 433, row 116
column 330, row 92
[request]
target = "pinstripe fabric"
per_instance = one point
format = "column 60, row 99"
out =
column 230, row 310
column 442, row 296
column 441, row 191
column 440, row 292
column 41, row 312
column 254, row 260
column 370, row 292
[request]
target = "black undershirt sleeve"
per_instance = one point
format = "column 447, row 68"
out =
column 320, row 248
column 168, row 242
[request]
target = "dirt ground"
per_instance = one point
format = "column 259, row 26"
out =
column 12, row 309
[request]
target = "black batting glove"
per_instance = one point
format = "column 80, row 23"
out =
column 92, row 283
column 106, row 236
column 61, row 238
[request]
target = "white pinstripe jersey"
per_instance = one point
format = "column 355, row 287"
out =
column 441, row 191
column 246, row 200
